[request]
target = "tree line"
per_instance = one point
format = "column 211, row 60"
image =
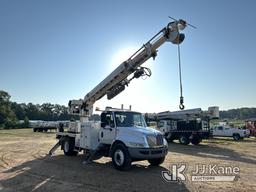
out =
column 11, row 112
column 241, row 113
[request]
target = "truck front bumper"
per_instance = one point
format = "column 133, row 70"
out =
column 148, row 153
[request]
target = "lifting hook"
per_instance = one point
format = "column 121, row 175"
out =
column 181, row 106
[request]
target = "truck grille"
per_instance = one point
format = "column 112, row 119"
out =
column 154, row 141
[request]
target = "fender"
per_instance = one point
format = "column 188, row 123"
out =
column 113, row 146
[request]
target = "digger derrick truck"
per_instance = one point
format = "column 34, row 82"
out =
column 120, row 134
column 192, row 125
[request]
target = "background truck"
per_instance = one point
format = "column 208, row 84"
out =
column 121, row 134
column 44, row 126
column 226, row 131
column 186, row 126
column 185, row 131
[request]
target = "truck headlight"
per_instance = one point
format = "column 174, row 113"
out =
column 135, row 144
column 151, row 141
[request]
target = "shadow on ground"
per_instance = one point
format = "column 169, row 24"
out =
column 61, row 173
column 230, row 139
column 212, row 150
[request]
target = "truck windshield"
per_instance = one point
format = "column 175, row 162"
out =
column 129, row 119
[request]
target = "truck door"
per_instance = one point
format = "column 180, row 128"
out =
column 219, row 131
column 108, row 128
column 227, row 132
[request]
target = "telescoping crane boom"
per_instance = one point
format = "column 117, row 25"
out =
column 116, row 81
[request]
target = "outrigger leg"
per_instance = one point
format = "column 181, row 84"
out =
column 56, row 146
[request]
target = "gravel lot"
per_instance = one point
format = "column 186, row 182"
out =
column 24, row 166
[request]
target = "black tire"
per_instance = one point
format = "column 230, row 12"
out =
column 236, row 137
column 196, row 141
column 68, row 146
column 120, row 157
column 184, row 140
column 156, row 162
column 35, row 129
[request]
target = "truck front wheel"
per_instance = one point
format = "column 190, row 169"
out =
column 121, row 158
column 184, row 140
column 156, row 162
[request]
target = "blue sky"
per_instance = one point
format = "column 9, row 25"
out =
column 54, row 51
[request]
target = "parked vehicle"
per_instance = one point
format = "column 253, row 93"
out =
column 226, row 131
column 44, row 126
column 121, row 134
column 191, row 125
column 185, row 131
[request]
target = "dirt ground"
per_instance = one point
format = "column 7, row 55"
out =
column 24, row 166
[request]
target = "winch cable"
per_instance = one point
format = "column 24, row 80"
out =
column 181, row 106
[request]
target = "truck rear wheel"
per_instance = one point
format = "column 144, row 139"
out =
column 120, row 157
column 196, row 141
column 156, row 162
column 184, row 140
column 236, row 137
column 68, row 146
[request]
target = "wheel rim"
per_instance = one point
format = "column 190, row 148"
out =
column 119, row 157
column 183, row 140
column 66, row 146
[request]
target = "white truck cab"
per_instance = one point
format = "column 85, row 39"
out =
column 122, row 135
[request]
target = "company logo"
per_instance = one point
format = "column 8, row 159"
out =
column 175, row 173
column 201, row 173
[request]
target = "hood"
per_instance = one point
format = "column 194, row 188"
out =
column 140, row 130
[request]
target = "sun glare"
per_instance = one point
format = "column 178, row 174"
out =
column 136, row 91
column 122, row 55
